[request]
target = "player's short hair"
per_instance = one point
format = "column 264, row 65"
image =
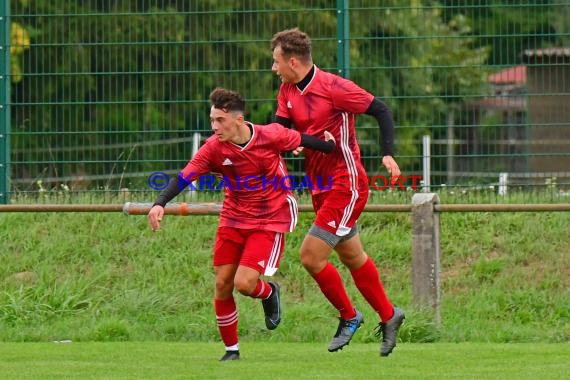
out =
column 293, row 42
column 227, row 100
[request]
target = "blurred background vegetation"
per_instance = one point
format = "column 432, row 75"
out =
column 105, row 92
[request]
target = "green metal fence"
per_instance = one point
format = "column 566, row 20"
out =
column 97, row 95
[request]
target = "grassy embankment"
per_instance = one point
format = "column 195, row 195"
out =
column 107, row 277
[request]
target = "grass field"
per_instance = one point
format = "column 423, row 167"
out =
column 135, row 360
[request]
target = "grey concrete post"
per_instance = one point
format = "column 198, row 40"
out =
column 426, row 253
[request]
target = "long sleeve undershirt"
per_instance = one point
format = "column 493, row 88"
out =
column 383, row 116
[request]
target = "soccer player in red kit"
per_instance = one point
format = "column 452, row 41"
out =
column 258, row 208
column 313, row 101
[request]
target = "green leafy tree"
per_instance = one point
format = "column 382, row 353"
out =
column 508, row 26
column 107, row 88
column 422, row 65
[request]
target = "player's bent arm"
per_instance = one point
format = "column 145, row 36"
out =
column 325, row 146
column 175, row 187
column 383, row 116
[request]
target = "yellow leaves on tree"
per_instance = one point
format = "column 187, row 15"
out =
column 19, row 42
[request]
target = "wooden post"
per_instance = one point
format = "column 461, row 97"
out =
column 426, row 253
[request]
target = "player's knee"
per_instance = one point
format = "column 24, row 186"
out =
column 244, row 285
column 353, row 260
column 224, row 286
column 305, row 257
column 311, row 261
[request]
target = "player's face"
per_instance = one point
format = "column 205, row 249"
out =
column 224, row 124
column 282, row 66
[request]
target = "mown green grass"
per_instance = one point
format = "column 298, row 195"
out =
column 159, row 360
column 107, row 277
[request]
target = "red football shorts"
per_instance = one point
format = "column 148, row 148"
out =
column 257, row 249
column 338, row 210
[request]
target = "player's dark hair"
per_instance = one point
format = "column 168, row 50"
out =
column 227, row 100
column 293, row 42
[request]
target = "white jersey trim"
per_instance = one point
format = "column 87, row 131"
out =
column 274, row 255
column 343, row 229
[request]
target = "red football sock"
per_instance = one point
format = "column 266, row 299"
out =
column 331, row 285
column 262, row 290
column 227, row 318
column 367, row 280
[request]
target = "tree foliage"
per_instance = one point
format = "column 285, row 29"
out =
column 102, row 87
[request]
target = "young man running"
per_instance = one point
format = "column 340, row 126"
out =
column 313, row 101
column 257, row 211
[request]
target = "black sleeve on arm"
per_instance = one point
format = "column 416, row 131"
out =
column 386, row 123
column 283, row 121
column 174, row 188
column 312, row 142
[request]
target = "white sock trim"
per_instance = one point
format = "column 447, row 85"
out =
column 235, row 347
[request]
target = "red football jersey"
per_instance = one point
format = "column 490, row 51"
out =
column 254, row 178
column 328, row 103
